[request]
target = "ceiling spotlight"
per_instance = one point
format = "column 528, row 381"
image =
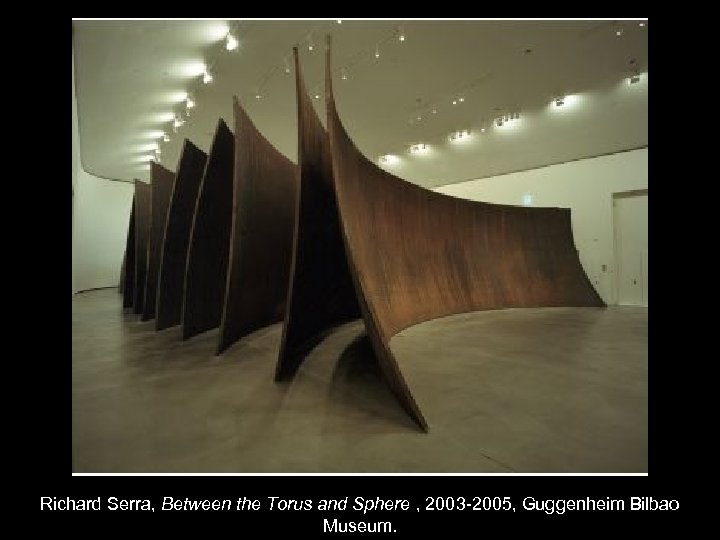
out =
column 317, row 96
column 377, row 51
column 231, row 43
column 619, row 32
column 258, row 96
column 177, row 122
column 311, row 46
column 343, row 75
column 339, row 21
column 190, row 102
column 166, row 137
column 434, row 111
column 634, row 79
column 642, row 24
column 207, row 77
column 418, row 118
column 559, row 102
column 416, row 148
column 482, row 130
column 461, row 99
column 454, row 102
column 401, row 34
column 389, row 159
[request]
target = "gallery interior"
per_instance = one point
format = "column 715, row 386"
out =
column 360, row 246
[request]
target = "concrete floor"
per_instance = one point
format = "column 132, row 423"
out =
column 521, row 390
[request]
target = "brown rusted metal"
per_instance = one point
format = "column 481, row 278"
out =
column 141, row 209
column 176, row 239
column 321, row 293
column 262, row 234
column 416, row 255
column 207, row 260
column 161, row 186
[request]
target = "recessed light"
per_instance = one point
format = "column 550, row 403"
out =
column 232, row 43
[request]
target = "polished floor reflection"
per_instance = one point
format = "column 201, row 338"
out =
column 520, row 390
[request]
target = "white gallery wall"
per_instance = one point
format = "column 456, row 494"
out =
column 586, row 187
column 100, row 213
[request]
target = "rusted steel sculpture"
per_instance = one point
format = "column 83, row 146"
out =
column 176, row 239
column 161, row 184
column 141, row 211
column 207, row 260
column 262, row 231
column 416, row 255
column 128, row 289
column 321, row 293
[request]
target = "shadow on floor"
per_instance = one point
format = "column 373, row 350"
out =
column 358, row 383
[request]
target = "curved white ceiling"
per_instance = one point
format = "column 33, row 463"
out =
column 132, row 75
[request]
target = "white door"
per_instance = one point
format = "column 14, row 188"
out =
column 630, row 212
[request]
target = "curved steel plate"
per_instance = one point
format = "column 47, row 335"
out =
column 321, row 293
column 171, row 278
column 262, row 233
column 142, row 233
column 207, row 260
column 416, row 255
column 161, row 184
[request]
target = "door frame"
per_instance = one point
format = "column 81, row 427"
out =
column 629, row 194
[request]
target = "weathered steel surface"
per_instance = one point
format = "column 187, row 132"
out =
column 207, row 260
column 321, row 293
column 161, row 186
column 176, row 240
column 262, row 234
column 416, row 254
